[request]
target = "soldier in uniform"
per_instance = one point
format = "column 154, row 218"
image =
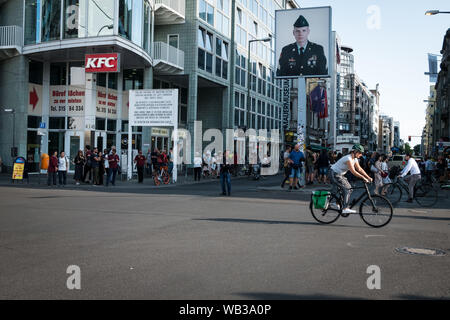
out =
column 303, row 57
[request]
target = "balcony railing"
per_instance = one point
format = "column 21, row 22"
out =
column 11, row 37
column 168, row 59
column 11, row 41
column 169, row 11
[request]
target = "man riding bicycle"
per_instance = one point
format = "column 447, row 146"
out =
column 412, row 179
column 338, row 179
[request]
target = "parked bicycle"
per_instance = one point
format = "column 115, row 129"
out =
column 375, row 210
column 424, row 192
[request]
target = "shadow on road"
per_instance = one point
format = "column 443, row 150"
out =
column 273, row 222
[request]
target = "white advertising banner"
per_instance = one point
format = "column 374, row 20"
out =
column 57, row 100
column 154, row 107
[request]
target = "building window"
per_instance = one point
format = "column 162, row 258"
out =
column 58, row 73
column 125, row 18
column 32, row 21
column 57, row 123
column 133, row 79
column 100, row 124
column 36, row 72
column 51, row 20
column 33, row 122
column 205, row 51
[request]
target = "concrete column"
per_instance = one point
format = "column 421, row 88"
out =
column 146, row 131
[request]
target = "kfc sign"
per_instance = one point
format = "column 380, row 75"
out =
column 104, row 62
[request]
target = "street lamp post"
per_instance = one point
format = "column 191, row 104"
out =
column 249, row 100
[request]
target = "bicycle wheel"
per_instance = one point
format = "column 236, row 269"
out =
column 166, row 178
column 376, row 213
column 328, row 215
column 425, row 195
column 393, row 193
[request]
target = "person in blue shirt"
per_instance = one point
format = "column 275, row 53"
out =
column 296, row 158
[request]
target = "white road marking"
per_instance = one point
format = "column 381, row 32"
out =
column 417, row 211
column 374, row 235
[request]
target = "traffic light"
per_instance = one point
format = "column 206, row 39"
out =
column 409, row 138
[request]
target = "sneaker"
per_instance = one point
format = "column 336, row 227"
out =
column 347, row 212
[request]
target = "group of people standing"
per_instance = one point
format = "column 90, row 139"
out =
column 90, row 164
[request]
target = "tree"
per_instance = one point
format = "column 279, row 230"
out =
column 407, row 148
column 417, row 149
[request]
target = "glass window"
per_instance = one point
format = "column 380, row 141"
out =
column 210, row 17
column 146, row 26
column 209, row 61
column 202, row 10
column 224, row 50
column 32, row 21
column 74, row 18
column 112, row 81
column 56, row 123
column 101, row 80
column 218, row 67
column 137, row 22
column 33, row 122
column 112, row 125
column 201, row 38
column 201, row 59
column 173, row 40
column 36, row 72
column 58, row 74
column 51, row 20
column 208, row 42
column 125, row 18
column 225, row 70
column 219, row 47
column 100, row 124
column 133, row 79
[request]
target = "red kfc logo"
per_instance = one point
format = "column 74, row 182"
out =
column 105, row 62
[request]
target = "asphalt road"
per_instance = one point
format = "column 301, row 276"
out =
column 188, row 242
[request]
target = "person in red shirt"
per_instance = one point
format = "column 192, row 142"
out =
column 52, row 169
column 140, row 164
column 113, row 161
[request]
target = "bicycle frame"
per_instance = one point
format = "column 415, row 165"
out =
column 354, row 202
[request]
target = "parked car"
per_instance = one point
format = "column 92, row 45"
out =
column 397, row 160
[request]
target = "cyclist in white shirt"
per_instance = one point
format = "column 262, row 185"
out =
column 340, row 168
column 414, row 176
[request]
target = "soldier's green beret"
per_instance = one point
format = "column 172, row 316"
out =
column 301, row 22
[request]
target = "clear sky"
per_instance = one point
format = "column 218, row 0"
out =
column 392, row 50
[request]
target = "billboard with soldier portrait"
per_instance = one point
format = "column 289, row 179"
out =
column 303, row 42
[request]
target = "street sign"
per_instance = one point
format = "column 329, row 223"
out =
column 41, row 125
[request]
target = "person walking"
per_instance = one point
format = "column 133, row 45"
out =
column 296, row 157
column 309, row 166
column 79, row 164
column 63, row 165
column 225, row 174
column 197, row 166
column 140, row 164
column 412, row 168
column 377, row 170
column 149, row 162
column 429, row 169
column 101, row 168
column 105, row 161
column 113, row 161
column 170, row 158
column 52, row 169
column 323, row 162
column 286, row 165
column 385, row 173
column 95, row 164
column 87, row 164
